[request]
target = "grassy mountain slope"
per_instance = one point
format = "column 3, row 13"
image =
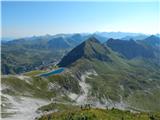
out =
column 88, row 49
column 24, row 55
column 19, row 91
column 130, row 49
column 118, row 79
column 99, row 114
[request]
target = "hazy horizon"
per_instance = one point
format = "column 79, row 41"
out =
column 22, row 19
column 29, row 36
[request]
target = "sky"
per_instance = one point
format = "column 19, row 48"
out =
column 28, row 18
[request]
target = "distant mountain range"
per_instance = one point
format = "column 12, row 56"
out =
column 122, row 35
column 92, row 48
column 114, row 35
column 38, row 51
column 26, row 54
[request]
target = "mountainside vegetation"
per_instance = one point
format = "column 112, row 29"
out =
column 99, row 114
column 22, row 55
column 118, row 78
column 115, row 75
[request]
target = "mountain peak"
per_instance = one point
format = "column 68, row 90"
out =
column 92, row 39
column 152, row 38
column 152, row 41
column 89, row 49
column 130, row 49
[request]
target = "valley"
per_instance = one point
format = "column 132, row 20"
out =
column 118, row 79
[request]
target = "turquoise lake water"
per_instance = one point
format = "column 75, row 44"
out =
column 53, row 72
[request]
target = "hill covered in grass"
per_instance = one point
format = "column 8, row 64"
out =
column 99, row 114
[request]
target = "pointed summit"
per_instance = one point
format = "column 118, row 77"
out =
column 152, row 41
column 89, row 49
column 153, row 37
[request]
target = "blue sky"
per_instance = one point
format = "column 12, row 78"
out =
column 20, row 19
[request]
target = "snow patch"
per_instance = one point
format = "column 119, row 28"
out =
column 108, row 103
column 25, row 78
column 52, row 86
column 122, row 87
column 73, row 96
column 23, row 107
column 83, row 97
column 21, row 77
column 3, row 87
column 84, row 87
